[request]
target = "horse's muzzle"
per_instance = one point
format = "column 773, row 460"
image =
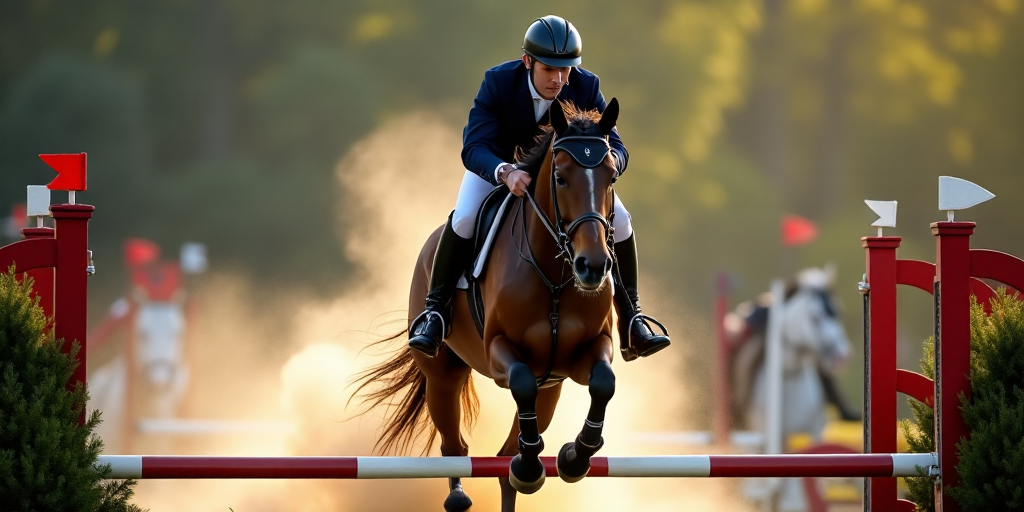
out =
column 591, row 272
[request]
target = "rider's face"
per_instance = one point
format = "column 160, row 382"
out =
column 546, row 79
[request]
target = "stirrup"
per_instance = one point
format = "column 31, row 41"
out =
column 436, row 344
column 446, row 328
column 642, row 317
column 631, row 352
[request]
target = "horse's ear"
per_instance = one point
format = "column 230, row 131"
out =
column 557, row 117
column 610, row 116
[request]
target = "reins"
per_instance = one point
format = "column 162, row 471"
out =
column 555, row 289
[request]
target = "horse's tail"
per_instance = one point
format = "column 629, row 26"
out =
column 408, row 420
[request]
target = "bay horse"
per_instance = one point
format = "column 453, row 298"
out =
column 547, row 305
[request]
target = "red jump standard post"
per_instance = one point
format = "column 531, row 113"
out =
column 71, row 286
column 880, row 395
column 952, row 349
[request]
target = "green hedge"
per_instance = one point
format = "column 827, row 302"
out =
column 920, row 436
column 992, row 461
column 46, row 457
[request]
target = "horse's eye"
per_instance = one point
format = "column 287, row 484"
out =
column 560, row 181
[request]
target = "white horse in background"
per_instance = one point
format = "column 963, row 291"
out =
column 159, row 367
column 160, row 355
column 814, row 345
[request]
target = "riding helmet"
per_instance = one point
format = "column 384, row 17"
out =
column 553, row 41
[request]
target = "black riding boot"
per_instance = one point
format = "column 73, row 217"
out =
column 453, row 255
column 635, row 336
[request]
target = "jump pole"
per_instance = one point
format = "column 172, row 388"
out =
column 665, row 466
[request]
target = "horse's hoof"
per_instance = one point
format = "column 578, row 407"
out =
column 571, row 468
column 526, row 487
column 529, row 480
column 457, row 501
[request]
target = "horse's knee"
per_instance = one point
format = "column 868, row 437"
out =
column 523, row 386
column 602, row 382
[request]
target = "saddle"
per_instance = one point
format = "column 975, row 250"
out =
column 491, row 217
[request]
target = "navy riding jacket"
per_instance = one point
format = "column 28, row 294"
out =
column 503, row 118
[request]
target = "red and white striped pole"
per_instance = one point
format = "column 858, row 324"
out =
column 665, row 466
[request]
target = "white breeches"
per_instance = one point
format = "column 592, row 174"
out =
column 475, row 189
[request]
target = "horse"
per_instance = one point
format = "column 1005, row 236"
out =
column 547, row 305
column 154, row 364
column 814, row 346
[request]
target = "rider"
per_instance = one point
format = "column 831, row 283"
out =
column 508, row 111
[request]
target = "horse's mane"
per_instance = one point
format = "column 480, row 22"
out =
column 530, row 160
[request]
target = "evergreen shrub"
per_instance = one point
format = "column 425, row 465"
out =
column 47, row 457
column 992, row 461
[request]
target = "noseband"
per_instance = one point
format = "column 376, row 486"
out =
column 588, row 151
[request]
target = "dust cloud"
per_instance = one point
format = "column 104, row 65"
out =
column 402, row 181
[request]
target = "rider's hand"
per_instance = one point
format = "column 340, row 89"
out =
column 516, row 180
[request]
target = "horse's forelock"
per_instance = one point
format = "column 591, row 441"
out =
column 582, row 119
column 580, row 122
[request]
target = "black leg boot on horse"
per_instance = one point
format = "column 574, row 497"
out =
column 451, row 259
column 635, row 335
column 573, row 461
column 526, row 472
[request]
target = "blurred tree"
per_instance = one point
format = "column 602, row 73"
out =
column 830, row 79
column 67, row 104
column 315, row 105
column 266, row 222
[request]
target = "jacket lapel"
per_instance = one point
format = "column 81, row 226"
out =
column 524, row 101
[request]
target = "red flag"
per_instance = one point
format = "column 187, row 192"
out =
column 139, row 251
column 70, row 171
column 797, row 230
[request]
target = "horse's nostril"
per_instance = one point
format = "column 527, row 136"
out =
column 607, row 265
column 581, row 264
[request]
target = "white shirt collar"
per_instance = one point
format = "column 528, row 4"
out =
column 540, row 105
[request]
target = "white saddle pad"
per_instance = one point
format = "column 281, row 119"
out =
column 485, row 250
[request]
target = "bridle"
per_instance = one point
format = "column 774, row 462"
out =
column 588, row 151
